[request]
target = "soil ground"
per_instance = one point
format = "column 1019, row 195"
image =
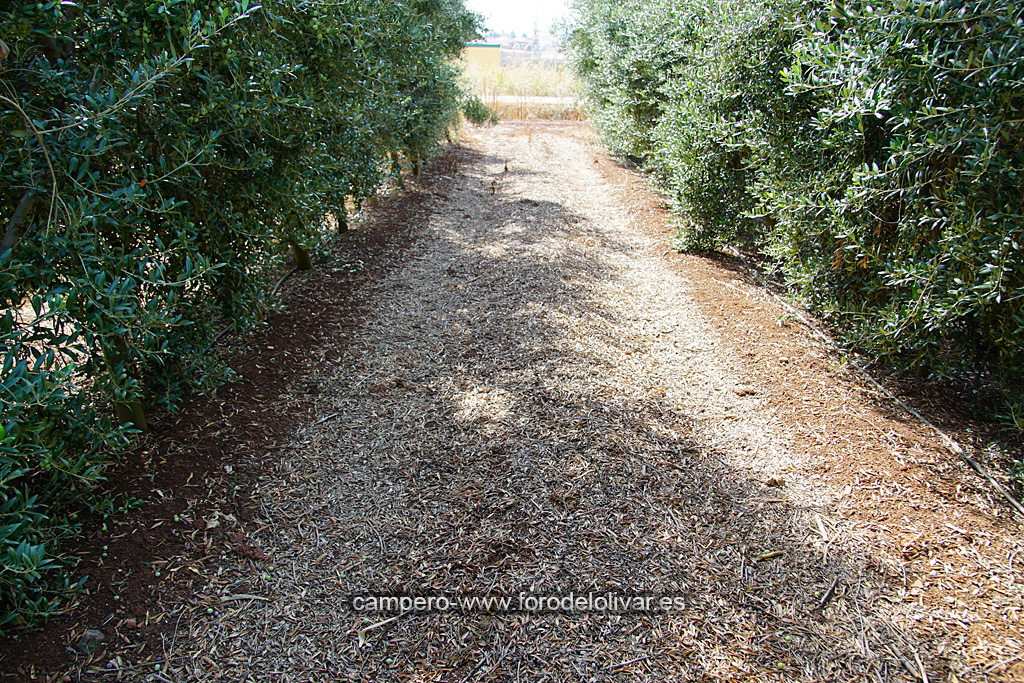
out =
column 504, row 384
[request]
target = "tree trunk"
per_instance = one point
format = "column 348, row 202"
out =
column 342, row 218
column 302, row 260
column 15, row 228
column 224, row 289
column 116, row 354
column 132, row 414
column 396, row 166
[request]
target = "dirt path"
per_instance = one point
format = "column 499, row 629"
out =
column 541, row 403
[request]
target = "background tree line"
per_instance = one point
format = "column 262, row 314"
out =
column 159, row 158
column 872, row 151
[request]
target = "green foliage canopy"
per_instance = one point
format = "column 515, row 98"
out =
column 872, row 150
column 158, row 156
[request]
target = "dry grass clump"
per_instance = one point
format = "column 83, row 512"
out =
column 536, row 108
column 534, row 79
column 527, row 90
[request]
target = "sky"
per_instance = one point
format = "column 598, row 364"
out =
column 518, row 15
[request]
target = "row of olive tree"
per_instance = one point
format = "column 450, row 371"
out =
column 159, row 157
column 873, row 150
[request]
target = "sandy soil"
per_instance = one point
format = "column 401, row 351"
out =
column 545, row 401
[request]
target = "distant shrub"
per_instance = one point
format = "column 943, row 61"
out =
column 478, row 113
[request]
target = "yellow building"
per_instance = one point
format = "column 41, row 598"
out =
column 486, row 55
